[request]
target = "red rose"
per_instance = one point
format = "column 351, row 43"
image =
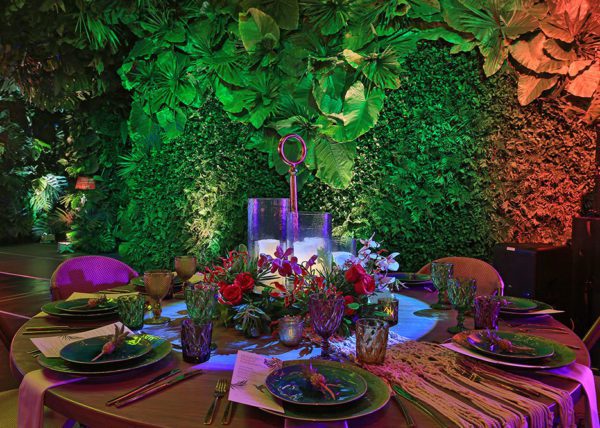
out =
column 347, row 301
column 232, row 294
column 366, row 285
column 245, row 281
column 355, row 273
column 221, row 285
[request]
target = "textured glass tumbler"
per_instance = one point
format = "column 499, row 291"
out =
column 487, row 309
column 326, row 313
column 389, row 306
column 371, row 340
column 200, row 300
column 461, row 293
column 195, row 341
column 131, row 311
column 441, row 273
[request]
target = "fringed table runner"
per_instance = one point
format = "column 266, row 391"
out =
column 489, row 397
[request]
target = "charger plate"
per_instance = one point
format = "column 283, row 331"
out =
column 376, row 397
column 160, row 349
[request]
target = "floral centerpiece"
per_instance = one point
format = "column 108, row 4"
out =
column 255, row 292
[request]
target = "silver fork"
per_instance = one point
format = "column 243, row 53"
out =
column 220, row 390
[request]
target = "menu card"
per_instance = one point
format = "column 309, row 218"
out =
column 249, row 374
column 51, row 346
column 78, row 295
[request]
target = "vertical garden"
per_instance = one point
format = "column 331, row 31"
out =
column 443, row 126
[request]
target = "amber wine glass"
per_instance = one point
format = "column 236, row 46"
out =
column 185, row 266
column 157, row 282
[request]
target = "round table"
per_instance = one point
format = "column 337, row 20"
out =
column 186, row 404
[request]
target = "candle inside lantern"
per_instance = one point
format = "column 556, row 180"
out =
column 290, row 330
column 389, row 306
column 340, row 257
column 309, row 247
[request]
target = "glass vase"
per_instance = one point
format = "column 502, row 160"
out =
column 309, row 233
column 267, row 225
column 200, row 300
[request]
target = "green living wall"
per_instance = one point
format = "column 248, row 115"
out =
column 430, row 178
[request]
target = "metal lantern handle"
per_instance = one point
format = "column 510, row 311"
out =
column 293, row 167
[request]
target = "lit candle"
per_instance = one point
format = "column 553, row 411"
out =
column 340, row 257
column 304, row 250
column 268, row 246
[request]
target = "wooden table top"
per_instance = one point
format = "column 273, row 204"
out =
column 185, row 404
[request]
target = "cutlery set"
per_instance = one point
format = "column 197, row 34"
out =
column 29, row 331
column 220, row 390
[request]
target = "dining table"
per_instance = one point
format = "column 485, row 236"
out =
column 186, row 403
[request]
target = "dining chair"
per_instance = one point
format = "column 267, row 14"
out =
column 488, row 279
column 89, row 274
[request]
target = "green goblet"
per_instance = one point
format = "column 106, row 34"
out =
column 461, row 293
column 441, row 273
column 157, row 284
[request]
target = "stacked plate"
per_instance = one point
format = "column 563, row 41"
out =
column 521, row 307
column 80, row 357
column 410, row 279
column 81, row 309
column 515, row 349
column 351, row 391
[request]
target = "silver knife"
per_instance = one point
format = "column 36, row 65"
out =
column 148, row 384
column 158, row 387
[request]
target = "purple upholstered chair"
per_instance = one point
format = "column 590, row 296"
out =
column 88, row 274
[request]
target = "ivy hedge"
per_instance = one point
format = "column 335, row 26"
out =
column 430, row 178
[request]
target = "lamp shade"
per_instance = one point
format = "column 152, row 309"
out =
column 85, row 183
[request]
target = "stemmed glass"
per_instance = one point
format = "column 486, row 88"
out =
column 441, row 273
column 157, row 283
column 462, row 294
column 326, row 312
column 185, row 266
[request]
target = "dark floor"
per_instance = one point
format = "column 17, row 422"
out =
column 25, row 272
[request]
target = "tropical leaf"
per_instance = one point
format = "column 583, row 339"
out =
column 427, row 10
column 577, row 67
column 328, row 91
column 285, row 12
column 556, row 51
column 172, row 121
column 335, row 162
column 258, row 29
column 593, row 112
column 360, row 113
column 381, row 68
column 531, row 54
column 586, row 83
column 531, row 87
column 566, row 19
column 330, row 16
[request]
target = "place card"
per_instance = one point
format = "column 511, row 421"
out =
column 248, row 380
column 51, row 346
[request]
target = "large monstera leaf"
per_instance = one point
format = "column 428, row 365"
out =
column 492, row 24
column 173, row 82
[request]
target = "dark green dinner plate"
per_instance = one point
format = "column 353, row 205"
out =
column 84, row 351
column 52, row 309
column 563, row 355
column 540, row 348
column 292, row 384
column 160, row 349
column 77, row 306
column 518, row 304
column 377, row 396
column 540, row 306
